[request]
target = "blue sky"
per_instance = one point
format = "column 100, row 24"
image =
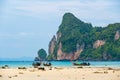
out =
column 28, row 25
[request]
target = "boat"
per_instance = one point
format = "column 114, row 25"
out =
column 36, row 64
column 81, row 64
column 47, row 64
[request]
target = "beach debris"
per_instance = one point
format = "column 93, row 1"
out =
column 101, row 72
column 113, row 71
column 38, row 75
column 22, row 68
column 15, row 75
column 41, row 68
column 80, row 67
column 97, row 72
column 10, row 76
column 33, row 70
column 36, row 64
column 83, row 78
column 0, row 75
column 59, row 68
column 118, row 75
column 50, row 68
column 105, row 72
column 110, row 68
column 20, row 72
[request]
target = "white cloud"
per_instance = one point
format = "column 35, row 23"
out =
column 25, row 35
column 16, row 35
column 38, row 7
column 86, row 10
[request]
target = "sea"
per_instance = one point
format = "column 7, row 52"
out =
column 15, row 64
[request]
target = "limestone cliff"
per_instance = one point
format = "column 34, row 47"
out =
column 52, row 45
column 117, row 35
column 65, row 47
column 63, row 55
column 98, row 43
column 76, row 39
column 69, row 56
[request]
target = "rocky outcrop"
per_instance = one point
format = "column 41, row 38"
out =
column 69, row 56
column 76, row 39
column 52, row 45
column 98, row 43
column 58, row 36
column 78, row 51
column 62, row 55
column 117, row 35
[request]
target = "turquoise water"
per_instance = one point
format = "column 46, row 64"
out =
column 61, row 63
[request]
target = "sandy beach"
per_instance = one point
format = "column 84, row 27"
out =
column 71, row 73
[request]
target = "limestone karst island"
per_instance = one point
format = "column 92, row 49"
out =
column 78, row 40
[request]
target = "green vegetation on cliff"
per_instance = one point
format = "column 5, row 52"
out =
column 73, row 31
column 110, row 50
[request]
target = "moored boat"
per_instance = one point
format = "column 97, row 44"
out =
column 36, row 64
column 47, row 64
column 81, row 64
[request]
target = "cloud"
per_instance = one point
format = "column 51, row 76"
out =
column 38, row 7
column 25, row 35
column 16, row 35
column 95, row 10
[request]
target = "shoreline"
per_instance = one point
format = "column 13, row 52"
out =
column 60, row 73
column 61, row 63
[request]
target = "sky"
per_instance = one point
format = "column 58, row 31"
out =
column 28, row 25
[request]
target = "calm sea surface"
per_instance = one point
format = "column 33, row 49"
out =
column 61, row 63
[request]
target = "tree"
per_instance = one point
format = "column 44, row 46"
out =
column 42, row 54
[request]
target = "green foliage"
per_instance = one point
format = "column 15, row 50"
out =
column 50, row 57
column 73, row 31
column 109, row 51
column 42, row 54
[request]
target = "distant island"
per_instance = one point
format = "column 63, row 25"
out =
column 77, row 40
